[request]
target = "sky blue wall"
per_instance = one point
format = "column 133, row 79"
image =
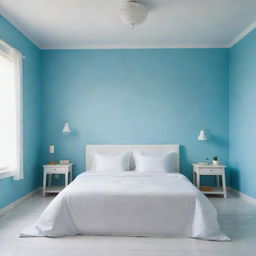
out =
column 152, row 96
column 11, row 190
column 158, row 96
column 242, row 87
column 144, row 96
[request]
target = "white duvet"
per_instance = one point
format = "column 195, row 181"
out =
column 129, row 204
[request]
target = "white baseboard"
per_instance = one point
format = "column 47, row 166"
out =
column 9, row 207
column 243, row 196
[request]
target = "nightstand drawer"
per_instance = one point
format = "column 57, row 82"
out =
column 56, row 169
column 211, row 171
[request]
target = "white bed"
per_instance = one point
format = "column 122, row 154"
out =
column 129, row 203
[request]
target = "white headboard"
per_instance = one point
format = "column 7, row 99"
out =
column 124, row 148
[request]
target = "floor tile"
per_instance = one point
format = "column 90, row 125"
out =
column 127, row 243
column 126, row 253
column 216, row 246
column 220, row 253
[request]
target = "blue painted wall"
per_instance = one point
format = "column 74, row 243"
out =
column 118, row 96
column 242, row 87
column 11, row 190
column 146, row 96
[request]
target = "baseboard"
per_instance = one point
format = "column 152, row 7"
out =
column 9, row 207
column 243, row 196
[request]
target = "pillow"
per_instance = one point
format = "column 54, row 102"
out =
column 158, row 162
column 110, row 162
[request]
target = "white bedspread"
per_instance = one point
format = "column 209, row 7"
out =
column 129, row 204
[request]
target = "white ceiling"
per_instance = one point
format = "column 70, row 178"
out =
column 70, row 24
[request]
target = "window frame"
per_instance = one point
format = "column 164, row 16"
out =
column 17, row 57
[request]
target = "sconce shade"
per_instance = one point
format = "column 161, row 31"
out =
column 202, row 135
column 66, row 129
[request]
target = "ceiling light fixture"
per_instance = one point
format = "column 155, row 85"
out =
column 133, row 13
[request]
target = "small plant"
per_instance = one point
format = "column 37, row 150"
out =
column 215, row 158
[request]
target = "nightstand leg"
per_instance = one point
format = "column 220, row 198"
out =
column 194, row 178
column 198, row 180
column 218, row 180
column 49, row 180
column 224, row 184
column 70, row 177
column 44, row 183
column 66, row 179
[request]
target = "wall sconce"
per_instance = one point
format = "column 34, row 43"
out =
column 66, row 128
column 202, row 135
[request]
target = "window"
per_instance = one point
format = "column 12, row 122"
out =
column 11, row 163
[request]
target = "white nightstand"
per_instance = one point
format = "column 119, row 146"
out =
column 50, row 169
column 217, row 170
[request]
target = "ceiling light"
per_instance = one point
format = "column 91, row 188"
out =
column 133, row 13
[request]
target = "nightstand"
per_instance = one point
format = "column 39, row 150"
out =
column 207, row 169
column 50, row 169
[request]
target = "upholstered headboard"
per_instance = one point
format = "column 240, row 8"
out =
column 124, row 148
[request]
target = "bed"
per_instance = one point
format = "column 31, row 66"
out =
column 129, row 203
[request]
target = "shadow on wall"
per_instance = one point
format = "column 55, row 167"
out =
column 187, row 169
column 223, row 143
column 234, row 175
column 184, row 163
column 218, row 140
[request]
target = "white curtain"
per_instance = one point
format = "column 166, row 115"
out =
column 11, row 132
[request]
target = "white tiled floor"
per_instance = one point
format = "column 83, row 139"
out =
column 237, row 219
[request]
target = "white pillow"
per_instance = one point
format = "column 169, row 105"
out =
column 158, row 162
column 111, row 162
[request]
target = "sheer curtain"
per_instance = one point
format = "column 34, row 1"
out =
column 11, row 134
